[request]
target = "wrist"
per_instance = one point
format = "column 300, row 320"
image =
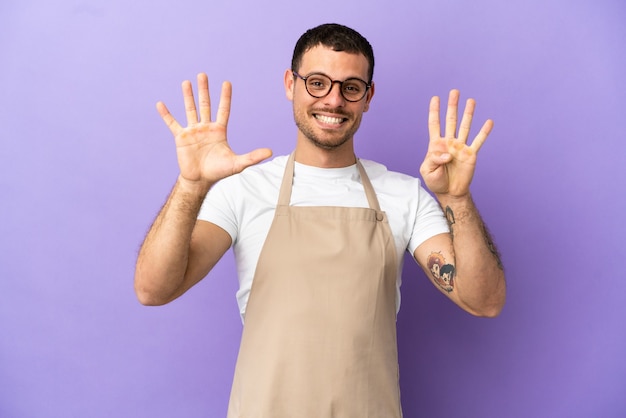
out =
column 190, row 187
column 445, row 200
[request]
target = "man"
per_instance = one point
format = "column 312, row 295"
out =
column 319, row 237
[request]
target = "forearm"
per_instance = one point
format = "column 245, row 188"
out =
column 479, row 277
column 164, row 255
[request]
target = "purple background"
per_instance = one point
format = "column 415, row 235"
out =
column 86, row 163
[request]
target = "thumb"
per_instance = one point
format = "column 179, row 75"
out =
column 435, row 160
column 254, row 157
column 442, row 158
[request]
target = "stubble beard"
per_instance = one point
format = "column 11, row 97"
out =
column 306, row 127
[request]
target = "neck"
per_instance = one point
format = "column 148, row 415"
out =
column 310, row 154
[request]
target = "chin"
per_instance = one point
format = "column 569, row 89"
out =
column 328, row 145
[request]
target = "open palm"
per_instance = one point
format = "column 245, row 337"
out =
column 450, row 162
column 202, row 147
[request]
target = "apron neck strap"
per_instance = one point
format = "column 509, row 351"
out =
column 284, row 198
column 369, row 189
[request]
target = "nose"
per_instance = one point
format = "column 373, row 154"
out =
column 334, row 97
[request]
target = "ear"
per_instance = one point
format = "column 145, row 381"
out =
column 289, row 83
column 368, row 97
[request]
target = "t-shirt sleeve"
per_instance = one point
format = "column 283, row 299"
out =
column 218, row 208
column 429, row 220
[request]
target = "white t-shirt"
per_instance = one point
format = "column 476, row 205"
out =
column 244, row 204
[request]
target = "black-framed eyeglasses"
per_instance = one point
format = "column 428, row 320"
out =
column 319, row 85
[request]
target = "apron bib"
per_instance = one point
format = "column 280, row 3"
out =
column 319, row 336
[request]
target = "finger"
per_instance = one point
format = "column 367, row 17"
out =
column 466, row 121
column 190, row 103
column 434, row 129
column 451, row 114
column 223, row 110
column 254, row 157
column 167, row 117
column 482, row 135
column 204, row 99
column 434, row 161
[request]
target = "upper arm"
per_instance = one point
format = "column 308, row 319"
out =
column 436, row 257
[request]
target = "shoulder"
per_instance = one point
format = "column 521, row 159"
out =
column 236, row 200
column 386, row 180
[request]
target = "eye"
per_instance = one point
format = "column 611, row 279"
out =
column 354, row 88
column 317, row 83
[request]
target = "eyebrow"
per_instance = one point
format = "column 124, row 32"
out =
column 335, row 79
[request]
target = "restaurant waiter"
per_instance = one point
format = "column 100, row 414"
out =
column 318, row 237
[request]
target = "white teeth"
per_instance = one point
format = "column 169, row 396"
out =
column 328, row 119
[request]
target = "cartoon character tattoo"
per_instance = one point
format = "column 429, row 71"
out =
column 442, row 273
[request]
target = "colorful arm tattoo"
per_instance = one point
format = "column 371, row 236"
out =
column 442, row 272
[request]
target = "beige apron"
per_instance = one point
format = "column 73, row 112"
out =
column 319, row 339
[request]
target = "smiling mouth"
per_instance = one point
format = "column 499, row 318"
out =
column 329, row 119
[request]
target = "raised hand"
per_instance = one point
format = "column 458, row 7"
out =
column 450, row 161
column 204, row 155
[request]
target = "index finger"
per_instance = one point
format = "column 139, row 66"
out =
column 223, row 110
column 434, row 129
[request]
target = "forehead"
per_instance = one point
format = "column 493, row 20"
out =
column 336, row 64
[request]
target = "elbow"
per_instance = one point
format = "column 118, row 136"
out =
column 491, row 311
column 147, row 298
column 148, row 295
column 484, row 310
column 491, row 305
